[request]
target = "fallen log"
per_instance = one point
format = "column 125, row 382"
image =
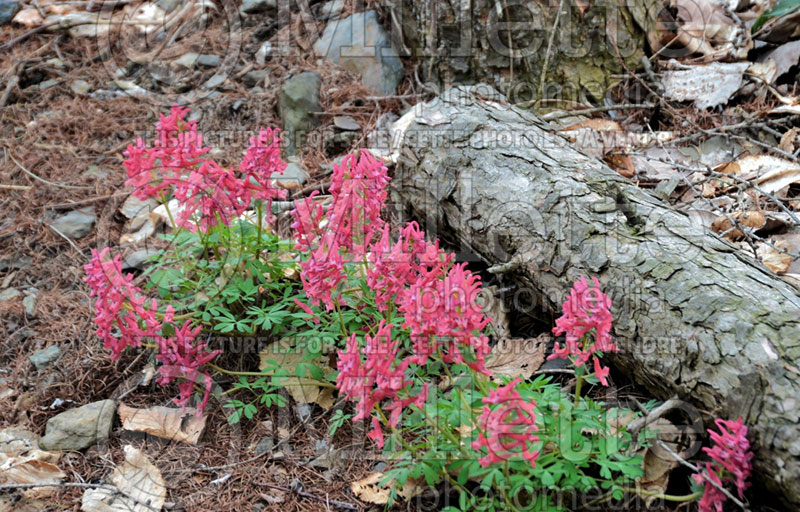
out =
column 693, row 315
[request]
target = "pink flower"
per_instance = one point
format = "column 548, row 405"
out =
column 730, row 461
column 376, row 434
column 586, row 311
column 260, row 162
column 182, row 358
column 600, row 372
column 376, row 378
column 121, row 315
column 396, row 266
column 507, row 430
column 443, row 316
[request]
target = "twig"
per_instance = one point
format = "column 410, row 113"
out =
column 649, row 417
column 68, row 239
column 691, row 466
column 15, row 487
column 326, row 500
column 12, row 82
column 15, row 187
column 568, row 113
column 549, row 49
column 61, row 206
column 394, row 96
column 73, row 187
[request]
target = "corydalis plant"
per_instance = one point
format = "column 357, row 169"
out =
column 730, row 462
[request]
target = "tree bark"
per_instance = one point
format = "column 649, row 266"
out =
column 694, row 316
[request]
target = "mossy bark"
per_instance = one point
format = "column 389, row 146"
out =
column 694, row 316
column 524, row 48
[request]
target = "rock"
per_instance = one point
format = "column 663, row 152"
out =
column 187, row 60
column 94, row 171
column 41, row 359
column 137, row 259
column 359, row 43
column 77, row 223
column 293, row 177
column 168, row 5
column 134, row 207
column 331, row 9
column 303, row 411
column 29, row 303
column 346, row 123
column 255, row 77
column 43, row 86
column 8, row 9
column 256, row 6
column 265, row 444
column 80, row 87
column 79, row 428
column 209, row 61
column 13, row 263
column 298, row 99
column 9, row 294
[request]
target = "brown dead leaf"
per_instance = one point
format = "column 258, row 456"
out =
column 621, row 163
column 283, row 354
column 775, row 260
column 369, row 489
column 705, row 28
column 749, row 219
column 22, row 462
column 164, row 422
column 784, row 57
column 140, row 484
column 517, row 357
column 598, row 125
column 30, row 18
column 789, row 139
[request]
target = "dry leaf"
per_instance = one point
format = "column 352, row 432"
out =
column 517, row 357
column 368, row 489
column 164, row 422
column 772, row 258
column 621, row 163
column 787, row 144
column 29, row 18
column 784, row 57
column 749, row 219
column 598, row 125
column 283, row 354
column 22, row 462
column 705, row 28
column 140, row 484
column 708, row 86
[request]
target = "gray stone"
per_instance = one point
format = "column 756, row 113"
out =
column 77, row 223
column 80, row 87
column 359, row 43
column 339, row 143
column 29, row 303
column 346, row 123
column 256, row 6
column 79, row 428
column 168, row 5
column 303, row 411
column 94, row 171
column 137, row 259
column 43, row 86
column 41, row 359
column 331, row 9
column 187, row 60
column 9, row 294
column 293, row 177
column 209, row 61
column 8, row 9
column 255, row 77
column 265, row 444
column 298, row 100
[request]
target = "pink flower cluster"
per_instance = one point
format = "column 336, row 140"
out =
column 123, row 320
column 586, row 311
column 358, row 192
column 378, row 377
column 443, row 317
column 207, row 193
column 731, row 461
column 508, row 429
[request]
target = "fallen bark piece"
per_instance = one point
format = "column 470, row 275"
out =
column 693, row 316
column 164, row 422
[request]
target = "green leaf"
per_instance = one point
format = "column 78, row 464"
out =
column 781, row 8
